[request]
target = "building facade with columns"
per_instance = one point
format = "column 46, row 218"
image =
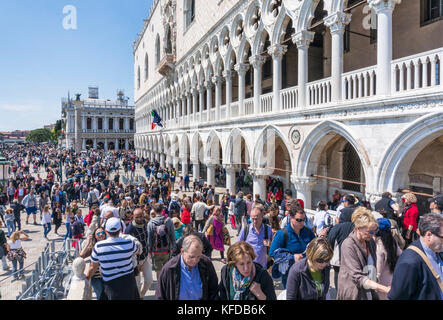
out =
column 324, row 94
column 94, row 123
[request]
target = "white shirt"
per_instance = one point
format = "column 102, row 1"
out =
column 15, row 245
column 109, row 208
column 46, row 217
column 320, row 220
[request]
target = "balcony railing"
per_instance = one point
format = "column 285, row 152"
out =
column 106, row 131
column 319, row 92
column 416, row 74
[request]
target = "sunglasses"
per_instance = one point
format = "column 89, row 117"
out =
column 322, row 261
column 300, row 220
column 100, row 233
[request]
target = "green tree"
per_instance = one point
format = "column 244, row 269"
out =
column 39, row 135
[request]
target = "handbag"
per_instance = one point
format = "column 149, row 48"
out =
column 210, row 230
column 226, row 237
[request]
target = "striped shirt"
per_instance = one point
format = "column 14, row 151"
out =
column 115, row 257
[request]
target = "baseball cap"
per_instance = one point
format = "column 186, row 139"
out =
column 438, row 200
column 113, row 224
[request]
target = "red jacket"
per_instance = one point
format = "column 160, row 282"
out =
column 186, row 216
column 411, row 217
column 16, row 193
column 88, row 218
column 279, row 195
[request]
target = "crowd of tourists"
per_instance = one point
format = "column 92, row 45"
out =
column 163, row 225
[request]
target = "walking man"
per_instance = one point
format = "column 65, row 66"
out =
column 30, row 203
column 114, row 256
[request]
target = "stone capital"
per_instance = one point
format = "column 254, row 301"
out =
column 230, row 167
column 304, row 184
column 257, row 61
column 208, row 84
column 241, row 68
column 228, row 74
column 337, row 22
column 277, row 51
column 201, row 89
column 303, row 39
column 194, row 92
column 383, row 5
column 217, row 80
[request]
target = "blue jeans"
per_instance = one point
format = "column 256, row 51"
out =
column 68, row 231
column 98, row 286
column 11, row 227
column 14, row 268
column 46, row 229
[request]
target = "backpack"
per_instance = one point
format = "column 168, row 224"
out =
column 161, row 239
column 246, row 232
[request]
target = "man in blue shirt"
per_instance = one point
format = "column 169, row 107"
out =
column 294, row 237
column 258, row 235
column 188, row 276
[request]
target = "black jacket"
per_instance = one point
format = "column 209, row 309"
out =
column 261, row 276
column 412, row 279
column 168, row 285
column 301, row 285
column 342, row 230
column 207, row 247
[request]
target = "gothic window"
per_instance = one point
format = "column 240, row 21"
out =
column 100, row 124
column 157, row 50
column 88, row 123
column 168, row 47
column 431, row 10
column 111, row 124
column 146, row 67
column 189, row 11
column 121, row 124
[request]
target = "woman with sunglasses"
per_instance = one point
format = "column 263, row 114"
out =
column 357, row 279
column 96, row 280
column 308, row 278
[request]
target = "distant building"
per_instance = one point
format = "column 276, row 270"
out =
column 97, row 123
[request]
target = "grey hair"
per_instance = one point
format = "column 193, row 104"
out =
column 430, row 222
column 189, row 240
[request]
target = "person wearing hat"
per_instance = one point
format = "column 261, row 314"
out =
column 436, row 204
column 178, row 227
column 388, row 251
column 114, row 256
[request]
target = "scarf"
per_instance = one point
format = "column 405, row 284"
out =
column 135, row 224
column 240, row 283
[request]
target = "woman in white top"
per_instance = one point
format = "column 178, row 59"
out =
column 46, row 221
column 16, row 253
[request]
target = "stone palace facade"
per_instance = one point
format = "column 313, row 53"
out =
column 98, row 123
column 324, row 94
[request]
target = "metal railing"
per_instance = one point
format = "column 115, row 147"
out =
column 51, row 277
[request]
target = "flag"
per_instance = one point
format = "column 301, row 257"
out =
column 156, row 120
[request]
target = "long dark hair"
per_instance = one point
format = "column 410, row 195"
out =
column 390, row 246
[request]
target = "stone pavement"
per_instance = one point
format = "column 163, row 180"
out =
column 36, row 244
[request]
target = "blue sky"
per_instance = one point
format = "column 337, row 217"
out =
column 40, row 60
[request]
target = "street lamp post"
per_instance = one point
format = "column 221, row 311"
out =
column 4, row 172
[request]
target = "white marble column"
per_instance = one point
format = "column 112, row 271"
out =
column 175, row 164
column 195, row 170
column 116, row 145
column 188, row 107
column 126, row 144
column 384, row 11
column 304, row 186
column 259, row 186
column 241, row 71
column 230, row 178
column 277, row 52
column 217, row 80
column 106, row 144
column 201, row 91
column 162, row 160
column 228, row 78
column 184, row 165
column 257, row 63
column 194, row 104
column 336, row 23
column 83, row 144
column 95, row 144
column 302, row 39
column 211, row 174
column 209, row 86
